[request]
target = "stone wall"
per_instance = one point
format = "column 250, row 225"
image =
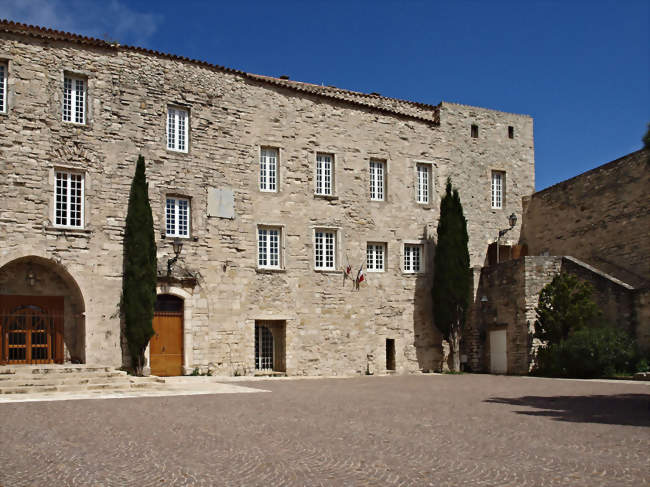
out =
column 330, row 328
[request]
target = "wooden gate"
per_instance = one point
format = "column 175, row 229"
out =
column 166, row 346
column 32, row 329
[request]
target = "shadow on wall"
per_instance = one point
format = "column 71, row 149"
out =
column 623, row 409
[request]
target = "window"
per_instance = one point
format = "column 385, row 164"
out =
column 69, row 199
column 474, row 131
column 377, row 180
column 413, row 258
column 268, row 247
column 177, row 217
column 74, row 99
column 324, row 174
column 268, row 169
column 177, row 121
column 424, row 178
column 3, row 87
column 375, row 253
column 497, row 189
column 511, row 132
column 325, row 249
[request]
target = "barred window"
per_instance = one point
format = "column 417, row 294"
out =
column 424, row 178
column 375, row 256
column 3, row 87
column 325, row 249
column 412, row 258
column 177, row 127
column 377, row 180
column 324, row 174
column 268, row 169
column 177, row 217
column 69, row 199
column 268, row 247
column 497, row 189
column 74, row 100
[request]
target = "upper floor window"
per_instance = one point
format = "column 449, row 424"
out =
column 177, row 217
column 377, row 170
column 375, row 257
column 3, row 87
column 74, row 99
column 474, row 131
column 268, row 247
column 325, row 174
column 423, row 182
column 177, row 124
column 511, row 132
column 498, row 189
column 413, row 258
column 69, row 199
column 268, row 169
column 325, row 249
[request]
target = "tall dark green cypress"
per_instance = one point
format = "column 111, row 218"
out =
column 139, row 279
column 452, row 275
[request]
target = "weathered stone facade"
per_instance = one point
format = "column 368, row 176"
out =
column 330, row 328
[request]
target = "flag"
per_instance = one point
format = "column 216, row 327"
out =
column 348, row 269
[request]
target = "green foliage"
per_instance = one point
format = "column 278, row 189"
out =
column 646, row 138
column 139, row 279
column 565, row 304
column 452, row 277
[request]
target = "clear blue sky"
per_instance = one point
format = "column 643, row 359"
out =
column 580, row 68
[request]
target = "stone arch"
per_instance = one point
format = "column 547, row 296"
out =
column 39, row 277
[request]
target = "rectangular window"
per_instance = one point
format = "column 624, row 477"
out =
column 324, row 174
column 74, row 99
column 413, row 258
column 474, row 131
column 69, row 199
column 325, row 249
column 424, row 178
column 3, row 87
column 177, row 217
column 377, row 180
column 268, row 247
column 511, row 132
column 177, row 126
column 268, row 169
column 497, row 189
column 375, row 257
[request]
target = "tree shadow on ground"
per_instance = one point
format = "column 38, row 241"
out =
column 621, row 409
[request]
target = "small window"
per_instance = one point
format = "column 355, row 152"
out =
column 268, row 247
column 69, row 199
column 325, row 249
column 377, row 171
column 3, row 87
column 376, row 257
column 325, row 174
column 74, row 99
column 498, row 189
column 177, row 129
column 413, row 258
column 177, row 217
column 269, row 169
column 423, row 182
column 511, row 132
column 390, row 354
column 474, row 131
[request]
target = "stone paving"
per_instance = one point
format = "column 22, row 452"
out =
column 438, row 430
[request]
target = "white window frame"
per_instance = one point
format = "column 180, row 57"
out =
column 323, row 237
column 408, row 258
column 377, row 169
column 66, row 218
column 175, row 227
column 75, row 91
column 4, row 76
column 177, row 136
column 423, row 186
column 264, row 246
column 376, row 257
column 269, row 165
column 324, row 176
column 498, row 189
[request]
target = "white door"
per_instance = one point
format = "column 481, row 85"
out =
column 498, row 353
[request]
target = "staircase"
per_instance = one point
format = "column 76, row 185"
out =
column 70, row 378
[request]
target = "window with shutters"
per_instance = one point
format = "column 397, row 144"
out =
column 177, row 129
column 269, row 157
column 324, row 249
column 177, row 217
column 3, row 87
column 498, row 189
column 74, row 99
column 324, row 174
column 377, row 178
column 69, row 199
column 413, row 258
column 269, row 252
column 376, row 257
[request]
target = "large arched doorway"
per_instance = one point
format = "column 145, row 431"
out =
column 41, row 313
column 166, row 346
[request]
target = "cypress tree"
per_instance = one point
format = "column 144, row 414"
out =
column 139, row 279
column 452, row 275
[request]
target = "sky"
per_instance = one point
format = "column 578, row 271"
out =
column 581, row 69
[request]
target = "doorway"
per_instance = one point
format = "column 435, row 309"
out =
column 498, row 352
column 166, row 346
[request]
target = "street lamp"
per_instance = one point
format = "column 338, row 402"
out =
column 177, row 245
column 512, row 220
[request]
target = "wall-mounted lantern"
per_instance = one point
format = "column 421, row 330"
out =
column 177, row 245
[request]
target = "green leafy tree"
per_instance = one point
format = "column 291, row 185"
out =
column 139, row 281
column 452, row 275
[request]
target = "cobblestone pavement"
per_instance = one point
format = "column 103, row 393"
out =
column 435, row 430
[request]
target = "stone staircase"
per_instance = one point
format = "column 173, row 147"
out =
column 70, row 378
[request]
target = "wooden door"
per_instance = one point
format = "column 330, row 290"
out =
column 31, row 329
column 166, row 346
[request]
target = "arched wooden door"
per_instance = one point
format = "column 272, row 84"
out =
column 166, row 346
